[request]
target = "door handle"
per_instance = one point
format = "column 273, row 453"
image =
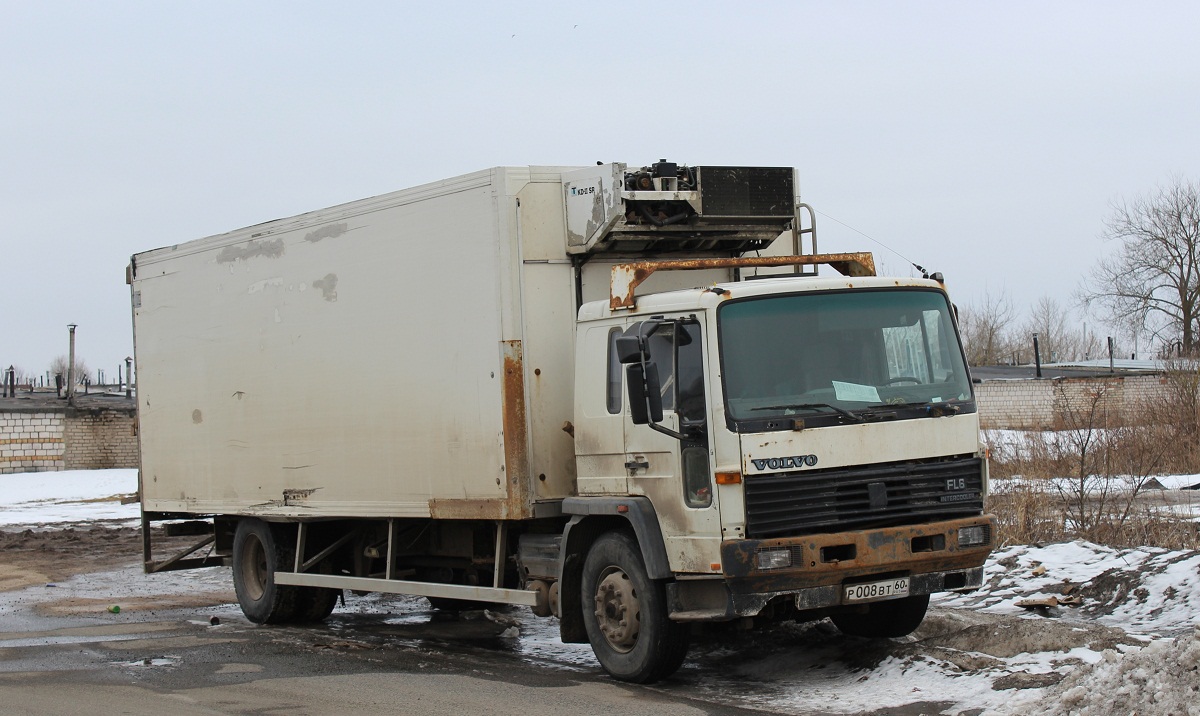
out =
column 634, row 465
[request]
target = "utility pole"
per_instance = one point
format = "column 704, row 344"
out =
column 1037, row 355
column 71, row 368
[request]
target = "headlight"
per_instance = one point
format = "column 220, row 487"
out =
column 775, row 558
column 971, row 536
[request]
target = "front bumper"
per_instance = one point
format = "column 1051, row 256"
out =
column 928, row 554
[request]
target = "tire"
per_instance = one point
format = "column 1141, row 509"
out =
column 625, row 614
column 885, row 620
column 257, row 555
column 315, row 604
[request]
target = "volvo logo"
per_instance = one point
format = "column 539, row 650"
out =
column 783, row 463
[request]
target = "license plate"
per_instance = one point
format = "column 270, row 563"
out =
column 872, row 591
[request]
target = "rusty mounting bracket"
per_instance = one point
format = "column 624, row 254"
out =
column 177, row 561
column 627, row 277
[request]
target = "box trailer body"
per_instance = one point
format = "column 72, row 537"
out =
column 492, row 387
column 406, row 355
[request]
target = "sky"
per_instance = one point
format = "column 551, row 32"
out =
column 987, row 141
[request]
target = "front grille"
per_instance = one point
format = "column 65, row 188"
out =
column 806, row 502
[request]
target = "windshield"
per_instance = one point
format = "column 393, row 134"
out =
column 822, row 355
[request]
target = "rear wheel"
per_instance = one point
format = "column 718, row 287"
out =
column 257, row 555
column 316, row 603
column 625, row 614
column 885, row 620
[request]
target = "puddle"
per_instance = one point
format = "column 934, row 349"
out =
column 149, row 662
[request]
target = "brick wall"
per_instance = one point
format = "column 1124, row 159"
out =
column 1054, row 403
column 31, row 441
column 39, row 440
column 100, row 438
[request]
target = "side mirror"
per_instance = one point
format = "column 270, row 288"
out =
column 645, row 393
column 632, row 346
column 629, row 349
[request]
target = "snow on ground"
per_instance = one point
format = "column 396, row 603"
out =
column 1145, row 591
column 40, row 498
column 1163, row 678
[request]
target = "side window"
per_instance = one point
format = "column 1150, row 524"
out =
column 662, row 354
column 689, row 379
column 613, row 391
column 689, row 361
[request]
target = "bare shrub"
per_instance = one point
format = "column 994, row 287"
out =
column 1178, row 409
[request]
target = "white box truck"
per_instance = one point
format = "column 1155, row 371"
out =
column 620, row 396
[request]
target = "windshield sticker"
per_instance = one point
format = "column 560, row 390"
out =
column 856, row 392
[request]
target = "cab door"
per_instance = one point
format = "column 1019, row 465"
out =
column 600, row 407
column 674, row 471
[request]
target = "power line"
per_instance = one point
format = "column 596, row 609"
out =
column 872, row 238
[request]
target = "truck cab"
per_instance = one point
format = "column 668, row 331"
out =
column 807, row 447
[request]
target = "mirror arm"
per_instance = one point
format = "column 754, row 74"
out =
column 665, row 431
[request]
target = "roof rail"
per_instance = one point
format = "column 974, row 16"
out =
column 626, row 277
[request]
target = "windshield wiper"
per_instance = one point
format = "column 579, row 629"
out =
column 816, row 406
column 935, row 410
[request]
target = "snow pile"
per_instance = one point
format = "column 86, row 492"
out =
column 1162, row 678
column 39, row 498
column 1146, row 590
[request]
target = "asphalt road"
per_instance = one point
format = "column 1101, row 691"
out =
column 166, row 662
column 63, row 653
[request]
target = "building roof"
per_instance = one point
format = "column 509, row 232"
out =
column 1078, row 369
column 47, row 401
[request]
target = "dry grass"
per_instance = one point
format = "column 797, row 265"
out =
column 1094, row 478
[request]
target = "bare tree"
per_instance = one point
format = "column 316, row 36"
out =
column 986, row 329
column 1050, row 322
column 1060, row 336
column 59, row 365
column 1154, row 278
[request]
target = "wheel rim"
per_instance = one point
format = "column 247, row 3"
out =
column 618, row 611
column 254, row 568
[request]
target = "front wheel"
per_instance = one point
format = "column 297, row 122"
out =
column 885, row 620
column 625, row 614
